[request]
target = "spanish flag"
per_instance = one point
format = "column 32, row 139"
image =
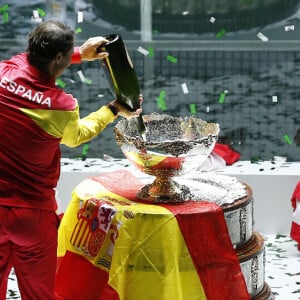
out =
column 114, row 247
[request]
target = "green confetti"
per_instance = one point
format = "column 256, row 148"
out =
column 287, row 139
column 161, row 103
column 193, row 109
column 88, row 81
column 78, row 30
column 41, row 12
column 162, row 94
column 279, row 236
column 151, row 51
column 4, row 8
column 60, row 83
column 221, row 33
column 222, row 98
column 85, row 151
column 5, row 17
column 255, row 159
column 171, row 58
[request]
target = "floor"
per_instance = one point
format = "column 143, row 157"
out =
column 282, row 269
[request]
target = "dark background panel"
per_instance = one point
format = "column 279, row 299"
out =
column 260, row 79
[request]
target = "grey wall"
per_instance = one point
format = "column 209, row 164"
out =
column 260, row 114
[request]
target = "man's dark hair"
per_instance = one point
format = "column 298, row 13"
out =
column 46, row 40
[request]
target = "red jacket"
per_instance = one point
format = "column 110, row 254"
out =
column 35, row 117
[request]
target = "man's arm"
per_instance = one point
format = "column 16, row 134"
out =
column 83, row 130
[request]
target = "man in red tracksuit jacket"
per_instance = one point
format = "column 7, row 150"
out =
column 35, row 117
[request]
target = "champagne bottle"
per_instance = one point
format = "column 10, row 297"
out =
column 119, row 72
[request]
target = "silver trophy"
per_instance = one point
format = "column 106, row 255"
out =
column 171, row 146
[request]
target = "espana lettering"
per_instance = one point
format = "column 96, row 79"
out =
column 28, row 94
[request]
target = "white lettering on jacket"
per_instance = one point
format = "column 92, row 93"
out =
column 21, row 90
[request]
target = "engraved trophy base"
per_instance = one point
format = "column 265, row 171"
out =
column 164, row 189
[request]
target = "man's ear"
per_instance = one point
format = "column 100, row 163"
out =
column 58, row 57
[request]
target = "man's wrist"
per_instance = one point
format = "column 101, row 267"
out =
column 113, row 109
column 76, row 56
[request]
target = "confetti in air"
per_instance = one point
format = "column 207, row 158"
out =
column 60, row 83
column 81, row 76
column 184, row 88
column 274, row 99
column 41, row 12
column 80, row 17
column 172, row 59
column 193, row 109
column 85, row 151
column 35, row 14
column 287, row 139
column 212, row 20
column 36, row 17
column 221, row 33
column 222, row 97
column 4, row 8
column 262, row 37
column 143, row 50
column 88, row 81
column 151, row 51
column 78, row 30
column 5, row 17
column 289, row 28
column 4, row 12
column 161, row 103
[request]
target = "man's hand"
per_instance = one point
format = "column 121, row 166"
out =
column 124, row 111
column 88, row 50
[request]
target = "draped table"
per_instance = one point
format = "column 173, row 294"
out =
column 114, row 247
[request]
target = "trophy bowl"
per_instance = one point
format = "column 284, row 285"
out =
column 170, row 147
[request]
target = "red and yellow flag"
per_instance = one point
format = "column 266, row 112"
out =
column 112, row 247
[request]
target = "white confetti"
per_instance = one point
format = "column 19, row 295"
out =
column 289, row 27
column 274, row 98
column 185, row 88
column 262, row 37
column 142, row 50
column 80, row 17
column 207, row 108
column 35, row 14
column 36, row 17
column 80, row 74
column 212, row 20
